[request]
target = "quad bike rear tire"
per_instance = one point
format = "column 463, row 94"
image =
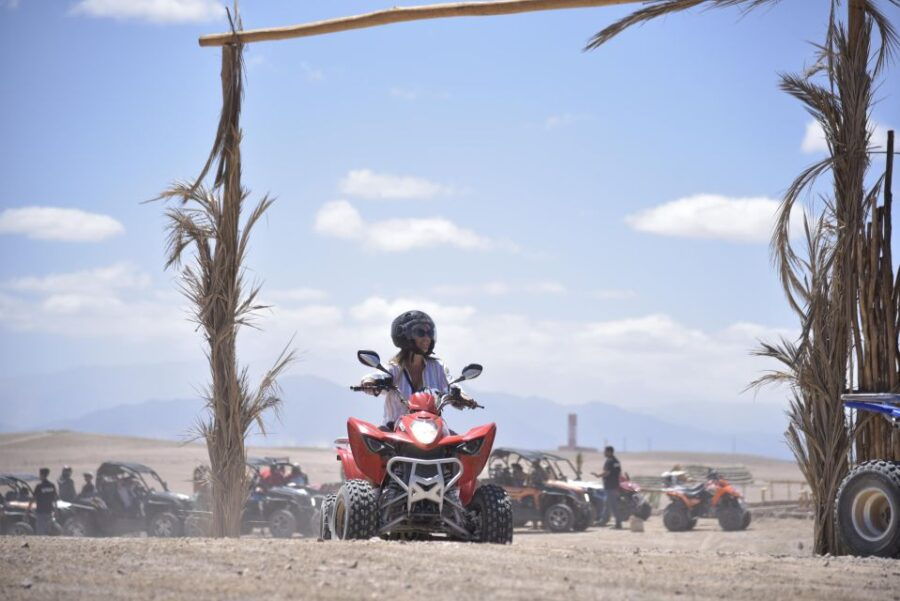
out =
column 355, row 514
column 164, row 525
column 676, row 518
column 867, row 509
column 559, row 517
column 282, row 523
column 693, row 523
column 325, row 512
column 493, row 515
column 21, row 529
column 78, row 526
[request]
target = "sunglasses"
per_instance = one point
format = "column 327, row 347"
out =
column 421, row 331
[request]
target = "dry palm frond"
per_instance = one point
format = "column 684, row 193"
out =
column 208, row 222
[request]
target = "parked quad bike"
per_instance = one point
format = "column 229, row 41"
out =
column 867, row 507
column 418, row 480
column 713, row 498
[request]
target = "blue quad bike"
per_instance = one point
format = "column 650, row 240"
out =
column 867, row 511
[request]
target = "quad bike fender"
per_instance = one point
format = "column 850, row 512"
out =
column 677, row 495
column 472, row 464
column 349, row 468
column 724, row 491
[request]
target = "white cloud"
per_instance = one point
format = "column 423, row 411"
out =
column 295, row 294
column 54, row 223
column 155, row 11
column 101, row 280
column 405, row 93
column 341, row 219
column 710, row 216
column 117, row 301
column 613, row 294
column 556, row 121
column 546, row 287
column 365, row 183
column 814, row 137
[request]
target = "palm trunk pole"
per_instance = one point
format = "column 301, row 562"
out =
column 400, row 14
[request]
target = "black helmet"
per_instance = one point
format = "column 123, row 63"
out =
column 410, row 325
column 66, row 470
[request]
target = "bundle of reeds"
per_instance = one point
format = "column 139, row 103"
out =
column 209, row 222
column 841, row 286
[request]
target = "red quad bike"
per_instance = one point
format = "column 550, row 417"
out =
column 418, row 480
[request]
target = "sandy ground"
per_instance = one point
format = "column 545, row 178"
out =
column 769, row 561
column 26, row 452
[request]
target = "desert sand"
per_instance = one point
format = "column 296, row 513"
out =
column 771, row 560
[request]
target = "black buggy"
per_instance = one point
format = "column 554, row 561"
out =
column 284, row 510
column 16, row 493
column 130, row 498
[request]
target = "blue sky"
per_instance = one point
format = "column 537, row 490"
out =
column 547, row 205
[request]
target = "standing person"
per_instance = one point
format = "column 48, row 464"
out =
column 612, row 469
column 45, row 503
column 66, row 485
column 414, row 369
column 87, row 489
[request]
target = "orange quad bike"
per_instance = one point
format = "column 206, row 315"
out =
column 713, row 498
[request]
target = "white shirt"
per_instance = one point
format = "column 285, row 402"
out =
column 435, row 376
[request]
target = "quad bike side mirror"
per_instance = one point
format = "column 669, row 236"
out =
column 469, row 372
column 371, row 359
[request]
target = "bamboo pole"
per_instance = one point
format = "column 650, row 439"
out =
column 400, row 14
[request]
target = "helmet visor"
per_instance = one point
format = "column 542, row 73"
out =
column 420, row 330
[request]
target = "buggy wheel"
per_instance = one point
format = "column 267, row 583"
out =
column 164, row 525
column 325, row 516
column 21, row 529
column 355, row 513
column 676, row 517
column 867, row 511
column 282, row 523
column 559, row 518
column 493, row 515
column 77, row 526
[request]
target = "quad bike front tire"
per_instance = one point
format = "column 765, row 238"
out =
column 78, row 526
column 21, row 529
column 867, row 509
column 493, row 515
column 731, row 517
column 559, row 517
column 164, row 525
column 325, row 515
column 282, row 523
column 676, row 518
column 643, row 510
column 355, row 515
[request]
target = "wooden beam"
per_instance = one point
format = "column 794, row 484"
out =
column 400, row 14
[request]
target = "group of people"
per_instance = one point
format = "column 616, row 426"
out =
column 46, row 495
column 275, row 476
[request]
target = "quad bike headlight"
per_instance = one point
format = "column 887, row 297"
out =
column 377, row 446
column 424, row 431
column 471, row 447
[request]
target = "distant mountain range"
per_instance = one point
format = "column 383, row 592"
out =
column 315, row 411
